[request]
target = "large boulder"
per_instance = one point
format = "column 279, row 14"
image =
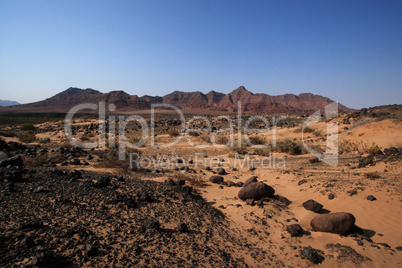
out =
column 312, row 205
column 256, row 191
column 338, row 223
column 216, row 179
column 250, row 180
column 13, row 161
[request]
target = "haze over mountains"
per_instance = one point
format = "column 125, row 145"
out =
column 8, row 103
column 250, row 102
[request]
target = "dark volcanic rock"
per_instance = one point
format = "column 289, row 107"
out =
column 294, row 229
column 13, row 161
column 256, row 191
column 152, row 224
column 221, row 171
column 339, row 223
column 363, row 162
column 182, row 227
column 391, row 151
column 250, row 180
column 303, row 181
column 313, row 159
column 216, row 179
column 310, row 254
column 371, row 198
column 312, row 205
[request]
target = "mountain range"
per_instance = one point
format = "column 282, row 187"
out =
column 8, row 103
column 215, row 101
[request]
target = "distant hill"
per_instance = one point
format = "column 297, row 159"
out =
column 8, row 103
column 250, row 102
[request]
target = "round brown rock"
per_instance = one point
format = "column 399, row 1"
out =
column 338, row 223
column 256, row 191
column 216, row 179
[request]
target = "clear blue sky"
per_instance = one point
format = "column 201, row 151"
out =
column 350, row 51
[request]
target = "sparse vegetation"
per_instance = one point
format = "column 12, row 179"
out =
column 221, row 139
column 36, row 161
column 110, row 159
column 239, row 146
column 44, row 141
column 257, row 140
column 193, row 180
column 288, row 146
column 359, row 147
column 372, row 175
column 173, row 132
column 27, row 137
column 28, row 127
column 266, row 151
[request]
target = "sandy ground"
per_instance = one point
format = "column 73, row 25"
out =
column 265, row 227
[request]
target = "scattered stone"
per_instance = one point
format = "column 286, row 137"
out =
column 313, row 159
column 75, row 161
column 102, row 182
column 216, row 179
column 256, row 190
column 39, row 189
column 363, row 162
column 351, row 192
column 331, row 196
column 371, row 198
column 310, row 254
column 250, row 180
column 260, row 203
column 12, row 161
column 231, row 184
column 221, row 171
column 170, row 182
column 29, row 242
column 180, row 182
column 152, row 224
column 391, row 151
column 90, row 250
column 339, row 223
column 399, row 248
column 312, row 205
column 182, row 227
column 294, row 229
column 239, row 184
column 250, row 202
column 303, row 181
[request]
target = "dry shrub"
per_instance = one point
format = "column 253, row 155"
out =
column 239, row 146
column 110, row 159
column 221, row 139
column 193, row 180
column 266, row 151
column 289, row 146
column 372, row 175
column 306, row 129
column 27, row 137
column 44, row 141
column 359, row 147
column 194, row 133
column 317, row 133
column 374, row 149
column 173, row 132
column 37, row 161
column 28, row 127
column 205, row 138
column 257, row 140
column 84, row 138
